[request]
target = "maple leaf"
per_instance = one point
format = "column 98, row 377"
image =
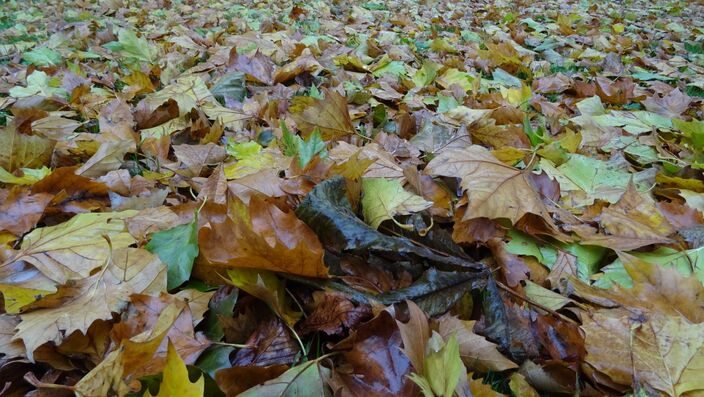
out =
column 330, row 115
column 23, row 151
column 75, row 306
column 633, row 222
column 263, row 238
column 383, row 198
column 494, row 189
column 175, row 381
column 71, row 250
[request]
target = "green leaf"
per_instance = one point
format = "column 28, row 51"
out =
column 383, row 198
column 446, row 103
column 29, row 177
column 387, row 66
column 177, row 248
column 42, row 57
column 132, row 47
column 443, row 365
column 231, row 85
column 694, row 130
column 684, row 261
column 309, row 148
column 504, row 78
column 304, row 149
column 38, row 83
column 426, row 74
column 308, row 379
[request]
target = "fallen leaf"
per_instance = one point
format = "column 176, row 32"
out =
column 494, row 189
column 175, row 381
column 384, row 198
column 75, row 306
column 269, row 239
column 330, row 115
column 72, row 250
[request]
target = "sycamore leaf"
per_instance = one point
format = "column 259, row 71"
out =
column 307, row 379
column 267, row 238
column 330, row 115
column 23, row 151
column 177, row 248
column 132, row 47
column 633, row 222
column 38, row 83
column 664, row 352
column 42, row 57
column 477, row 353
column 109, row 157
column 495, row 190
column 75, row 306
column 443, row 365
column 29, row 176
column 110, row 377
column 71, row 250
column 304, row 149
column 252, row 158
column 383, row 198
column 175, row 381
column 264, row 285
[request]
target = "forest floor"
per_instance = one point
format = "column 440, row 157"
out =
column 382, row 198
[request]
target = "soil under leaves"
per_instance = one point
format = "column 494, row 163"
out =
column 388, row 198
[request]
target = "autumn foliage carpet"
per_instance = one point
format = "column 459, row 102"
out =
column 384, row 198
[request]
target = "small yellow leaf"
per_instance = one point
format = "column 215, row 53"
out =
column 175, row 382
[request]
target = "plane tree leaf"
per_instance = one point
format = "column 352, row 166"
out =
column 329, row 115
column 494, row 190
column 264, row 238
column 73, row 249
column 383, row 198
column 175, row 380
column 177, row 247
column 75, row 306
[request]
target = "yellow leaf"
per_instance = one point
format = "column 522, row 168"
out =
column 16, row 297
column 29, row 177
column 384, row 198
column 175, row 382
column 71, row 250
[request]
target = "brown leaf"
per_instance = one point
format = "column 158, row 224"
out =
column 671, row 105
column 116, row 119
column 143, row 314
column 494, row 189
column 633, row 222
column 23, row 151
column 272, row 344
column 257, row 68
column 477, row 353
column 196, row 157
column 235, row 380
column 330, row 115
column 512, row 267
column 332, row 312
column 415, row 334
column 665, row 353
column 21, row 210
column 373, row 364
column 75, row 306
column 271, row 239
column 304, row 63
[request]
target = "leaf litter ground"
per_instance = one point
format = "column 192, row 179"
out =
column 392, row 198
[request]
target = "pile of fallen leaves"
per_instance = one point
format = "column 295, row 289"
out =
column 399, row 198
